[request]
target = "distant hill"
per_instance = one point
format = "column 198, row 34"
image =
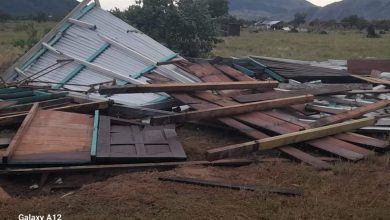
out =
column 285, row 9
column 24, row 8
column 369, row 9
column 273, row 9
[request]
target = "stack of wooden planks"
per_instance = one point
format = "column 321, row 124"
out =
column 262, row 116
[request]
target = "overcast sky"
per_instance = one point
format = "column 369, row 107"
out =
column 122, row 4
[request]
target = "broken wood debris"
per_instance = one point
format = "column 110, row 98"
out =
column 258, row 85
column 230, row 110
column 218, row 184
column 291, row 138
column 355, row 113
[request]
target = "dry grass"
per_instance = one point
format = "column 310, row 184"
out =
column 305, row 46
column 363, row 193
column 13, row 31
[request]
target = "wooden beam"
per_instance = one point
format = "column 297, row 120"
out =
column 151, row 88
column 381, row 91
column 19, row 134
column 207, row 183
column 230, row 110
column 87, row 168
column 17, row 109
column 290, row 138
column 355, row 113
column 78, row 108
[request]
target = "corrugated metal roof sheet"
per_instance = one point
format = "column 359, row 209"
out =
column 114, row 49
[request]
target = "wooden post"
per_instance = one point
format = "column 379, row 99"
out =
column 19, row 134
column 230, row 110
column 355, row 113
column 291, row 138
column 187, row 87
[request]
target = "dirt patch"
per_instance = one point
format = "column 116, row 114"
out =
column 361, row 193
column 348, row 191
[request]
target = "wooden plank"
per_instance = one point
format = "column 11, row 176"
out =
column 17, row 139
column 171, row 87
column 4, row 142
column 292, row 138
column 372, row 80
column 55, row 137
column 17, row 109
column 16, row 95
column 208, row 183
column 79, row 108
column 233, row 73
column 229, row 110
column 331, row 90
column 4, row 195
column 355, row 113
column 87, row 168
column 364, row 140
column 380, row 91
column 365, row 66
column 324, row 109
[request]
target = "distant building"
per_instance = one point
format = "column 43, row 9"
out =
column 270, row 25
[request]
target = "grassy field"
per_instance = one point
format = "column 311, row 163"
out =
column 305, row 46
column 11, row 32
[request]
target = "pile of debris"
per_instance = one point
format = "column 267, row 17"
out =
column 96, row 93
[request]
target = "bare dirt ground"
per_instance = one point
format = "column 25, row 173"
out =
column 349, row 191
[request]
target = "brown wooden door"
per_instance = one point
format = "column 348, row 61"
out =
column 119, row 140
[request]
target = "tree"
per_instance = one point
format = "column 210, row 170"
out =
column 299, row 18
column 355, row 21
column 41, row 17
column 185, row 26
column 218, row 8
column 4, row 16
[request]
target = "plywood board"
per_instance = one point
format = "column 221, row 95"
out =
column 55, row 137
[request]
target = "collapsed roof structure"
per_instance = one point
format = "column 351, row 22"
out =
column 90, row 46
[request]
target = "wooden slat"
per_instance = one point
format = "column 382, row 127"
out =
column 207, row 183
column 151, row 88
column 79, row 108
column 253, row 133
column 292, row 138
column 324, row 109
column 365, row 66
column 355, row 113
column 364, row 140
column 230, row 110
column 19, row 134
column 331, row 90
column 137, row 166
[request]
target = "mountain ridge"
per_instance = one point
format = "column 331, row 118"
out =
column 26, row 8
column 286, row 9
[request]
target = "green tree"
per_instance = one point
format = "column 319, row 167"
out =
column 185, row 26
column 218, row 8
column 299, row 18
column 4, row 16
column 355, row 21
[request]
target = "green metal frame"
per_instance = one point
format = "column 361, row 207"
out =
column 53, row 41
column 95, row 134
column 38, row 97
column 150, row 68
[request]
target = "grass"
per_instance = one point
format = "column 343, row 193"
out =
column 10, row 32
column 305, row 46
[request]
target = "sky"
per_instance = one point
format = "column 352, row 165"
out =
column 122, row 4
